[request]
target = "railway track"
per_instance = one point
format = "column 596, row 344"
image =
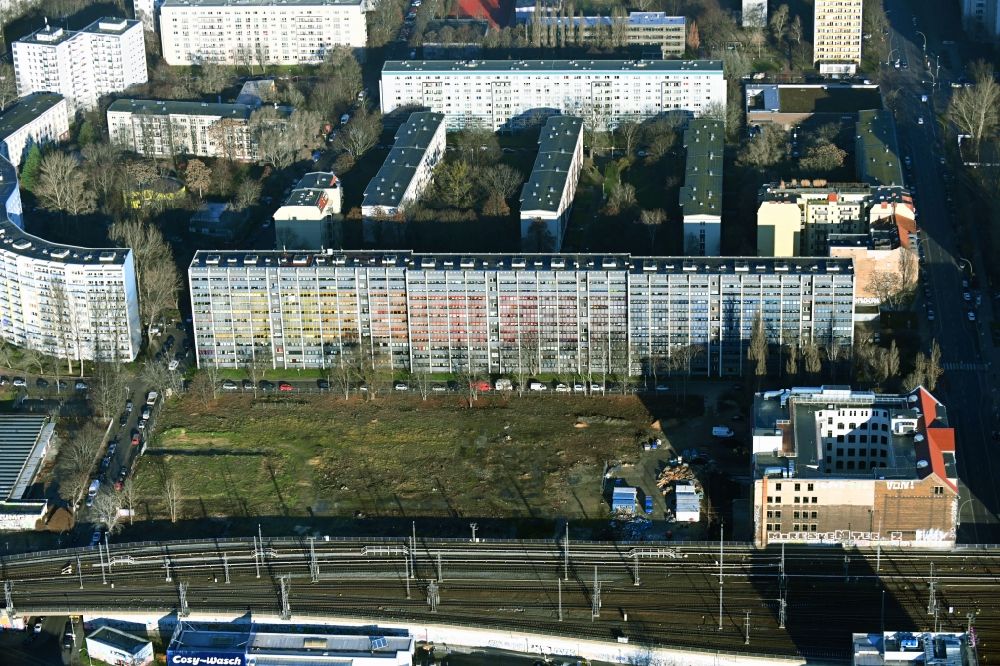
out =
column 669, row 593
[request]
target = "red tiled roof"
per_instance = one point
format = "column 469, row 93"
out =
column 905, row 226
column 937, row 439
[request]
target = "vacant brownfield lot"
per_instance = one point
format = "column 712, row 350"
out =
column 395, row 456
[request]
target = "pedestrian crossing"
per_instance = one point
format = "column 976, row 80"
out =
column 963, row 365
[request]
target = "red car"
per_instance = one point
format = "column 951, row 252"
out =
column 136, row 439
column 285, row 386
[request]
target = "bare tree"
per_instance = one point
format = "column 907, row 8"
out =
column 344, row 372
column 76, row 458
column 129, row 493
column 8, row 85
column 812, row 359
column 424, row 384
column 106, row 509
column 247, row 194
column 890, row 362
column 652, row 220
column 974, row 109
column 757, row 350
column 102, row 162
column 360, row 134
column 198, row 176
column 282, row 139
column 172, row 498
column 155, row 271
column 108, row 388
column 886, row 286
column 792, row 360
column 779, row 22
column 62, row 185
column 501, row 182
column 630, row 132
column 933, row 369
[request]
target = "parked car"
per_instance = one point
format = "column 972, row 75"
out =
column 579, row 388
column 173, row 365
column 596, row 388
column 229, row 385
column 537, row 386
column 439, row 388
column 19, row 382
column 649, row 504
column 136, row 438
column 400, row 386
column 503, row 384
column 4, row 380
column 562, row 388
column 662, row 388
column 265, row 385
column 722, row 431
column 151, row 397
column 345, row 118
column 247, row 385
column 38, row 624
column 147, row 411
column 322, row 385
column 128, row 406
column 285, row 387
column 41, row 383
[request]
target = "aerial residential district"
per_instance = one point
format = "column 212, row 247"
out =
column 499, row 332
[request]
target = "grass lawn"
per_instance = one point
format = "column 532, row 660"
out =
column 397, row 456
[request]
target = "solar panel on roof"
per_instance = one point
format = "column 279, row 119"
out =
column 18, row 435
column 378, row 642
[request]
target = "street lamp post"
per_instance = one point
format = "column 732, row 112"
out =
column 925, row 41
column 888, row 58
column 958, row 516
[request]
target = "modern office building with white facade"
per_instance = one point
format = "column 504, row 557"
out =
column 701, row 195
column 64, row 301
column 260, row 32
column 547, row 196
column 107, row 56
column 837, row 36
column 512, row 93
column 36, row 119
column 165, row 128
column 580, row 315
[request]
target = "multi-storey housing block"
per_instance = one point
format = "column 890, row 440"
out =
column 701, row 195
column 982, row 17
column 158, row 128
column 407, row 171
column 853, row 468
column 305, row 219
column 635, row 29
column 837, row 36
column 547, row 196
column 261, row 32
column 64, row 301
column 583, row 315
column 107, row 56
column 512, row 93
column 36, row 119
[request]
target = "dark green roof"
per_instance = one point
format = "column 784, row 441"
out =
column 24, row 110
column 386, row 189
column 702, row 190
column 877, row 149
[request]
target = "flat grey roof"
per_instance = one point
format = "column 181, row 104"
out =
column 556, row 145
column 318, row 180
column 159, row 107
column 208, row 259
column 19, row 433
column 119, row 639
column 52, row 34
column 257, row 3
column 418, row 130
column 304, row 197
column 24, row 110
column 110, row 26
column 529, row 66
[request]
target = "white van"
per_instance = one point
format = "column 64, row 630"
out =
column 722, row 431
column 95, row 485
column 537, row 386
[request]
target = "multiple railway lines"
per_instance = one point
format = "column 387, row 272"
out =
column 800, row 601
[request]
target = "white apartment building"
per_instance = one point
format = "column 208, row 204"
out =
column 36, row 119
column 166, row 128
column 511, row 93
column 148, row 13
column 578, row 315
column 107, row 56
column 754, row 13
column 547, row 196
column 304, row 220
column 407, row 171
column 65, row 301
column 837, row 36
column 281, row 32
column 982, row 17
column 701, row 195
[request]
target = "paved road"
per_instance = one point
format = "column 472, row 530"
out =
column 969, row 386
